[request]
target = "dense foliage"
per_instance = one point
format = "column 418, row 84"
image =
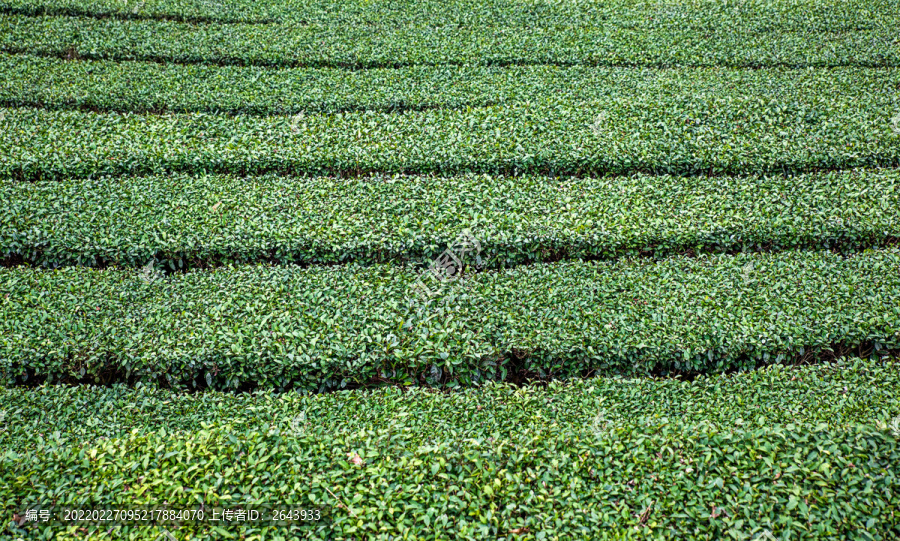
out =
column 831, row 35
column 147, row 86
column 222, row 210
column 677, row 126
column 820, row 15
column 181, row 221
column 325, row 327
column 809, row 451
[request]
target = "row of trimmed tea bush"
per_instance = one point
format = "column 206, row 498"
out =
column 184, row 11
column 819, row 15
column 671, row 41
column 147, row 86
column 326, row 327
column 838, row 394
column 709, row 130
column 807, row 453
column 182, row 221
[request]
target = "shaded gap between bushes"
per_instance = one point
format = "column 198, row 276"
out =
column 261, row 112
column 71, row 11
column 167, row 262
column 518, row 374
column 72, row 53
column 511, row 167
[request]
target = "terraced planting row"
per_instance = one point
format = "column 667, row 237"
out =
column 327, row 327
column 808, row 94
column 867, row 39
column 807, row 450
column 183, row 221
column 723, row 132
column 809, row 14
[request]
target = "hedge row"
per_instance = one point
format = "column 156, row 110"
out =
column 717, row 128
column 839, row 395
column 868, row 41
column 143, row 86
column 605, row 458
column 819, row 15
column 180, row 221
column 327, row 327
column 186, row 11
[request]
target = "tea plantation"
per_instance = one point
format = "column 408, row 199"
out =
column 469, row 269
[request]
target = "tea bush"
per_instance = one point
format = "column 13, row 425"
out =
column 832, row 35
column 326, row 327
column 183, row 221
column 810, row 451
